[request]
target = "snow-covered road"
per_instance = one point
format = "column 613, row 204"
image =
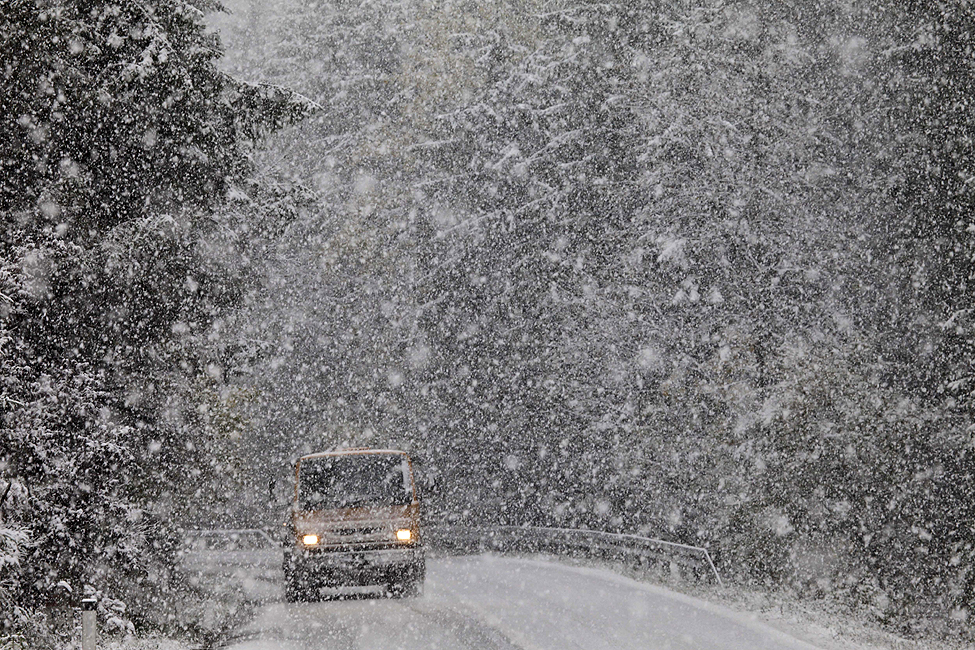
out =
column 499, row 602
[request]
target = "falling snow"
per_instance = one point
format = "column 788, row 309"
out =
column 700, row 271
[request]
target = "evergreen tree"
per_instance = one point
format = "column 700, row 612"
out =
column 118, row 139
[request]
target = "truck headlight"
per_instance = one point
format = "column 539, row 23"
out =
column 404, row 534
column 309, row 540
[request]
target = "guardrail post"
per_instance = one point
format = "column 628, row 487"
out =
column 89, row 624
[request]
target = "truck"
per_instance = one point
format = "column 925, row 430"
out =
column 354, row 521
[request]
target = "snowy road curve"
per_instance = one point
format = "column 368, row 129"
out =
column 507, row 603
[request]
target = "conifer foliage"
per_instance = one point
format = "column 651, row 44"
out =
column 119, row 138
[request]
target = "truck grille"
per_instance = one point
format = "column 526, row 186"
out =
column 358, row 538
column 372, row 532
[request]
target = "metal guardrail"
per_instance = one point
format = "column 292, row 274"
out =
column 570, row 541
column 517, row 539
column 228, row 538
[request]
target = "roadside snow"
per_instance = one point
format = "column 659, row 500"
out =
column 152, row 643
column 827, row 625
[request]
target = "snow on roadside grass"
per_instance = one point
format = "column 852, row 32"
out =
column 824, row 623
column 150, row 643
column 828, row 625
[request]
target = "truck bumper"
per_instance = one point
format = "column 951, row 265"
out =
column 346, row 568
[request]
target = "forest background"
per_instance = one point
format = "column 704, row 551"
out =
column 700, row 270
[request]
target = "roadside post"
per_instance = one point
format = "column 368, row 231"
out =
column 89, row 624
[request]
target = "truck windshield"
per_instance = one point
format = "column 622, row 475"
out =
column 352, row 480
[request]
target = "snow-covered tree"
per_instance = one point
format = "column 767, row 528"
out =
column 118, row 139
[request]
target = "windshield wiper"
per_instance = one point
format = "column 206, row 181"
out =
column 359, row 499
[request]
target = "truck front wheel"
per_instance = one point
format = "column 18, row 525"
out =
column 297, row 585
column 295, row 589
column 410, row 584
